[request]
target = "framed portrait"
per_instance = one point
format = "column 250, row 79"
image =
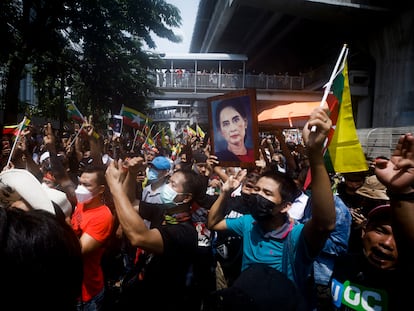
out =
column 233, row 128
column 117, row 124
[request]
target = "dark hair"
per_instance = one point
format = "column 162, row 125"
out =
column 258, row 288
column 252, row 176
column 288, row 189
column 192, row 181
column 99, row 170
column 40, row 261
column 232, row 104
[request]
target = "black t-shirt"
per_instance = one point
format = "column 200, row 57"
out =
column 357, row 285
column 164, row 278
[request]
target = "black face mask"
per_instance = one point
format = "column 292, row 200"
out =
column 262, row 208
column 246, row 198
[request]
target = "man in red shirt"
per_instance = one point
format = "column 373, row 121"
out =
column 92, row 222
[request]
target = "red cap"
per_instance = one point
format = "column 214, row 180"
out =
column 379, row 211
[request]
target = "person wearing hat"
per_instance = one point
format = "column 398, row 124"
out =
column 19, row 188
column 158, row 172
column 371, row 272
column 371, row 194
column 379, row 276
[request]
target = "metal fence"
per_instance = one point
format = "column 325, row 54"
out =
column 381, row 141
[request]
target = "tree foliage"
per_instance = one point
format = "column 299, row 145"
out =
column 90, row 51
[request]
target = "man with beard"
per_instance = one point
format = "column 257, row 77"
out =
column 270, row 236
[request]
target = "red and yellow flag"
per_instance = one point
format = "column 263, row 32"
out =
column 14, row 129
column 344, row 153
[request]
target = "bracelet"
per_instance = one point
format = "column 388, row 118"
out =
column 396, row 196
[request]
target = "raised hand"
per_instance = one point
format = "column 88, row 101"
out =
column 49, row 137
column 397, row 174
column 319, row 118
column 115, row 174
column 135, row 165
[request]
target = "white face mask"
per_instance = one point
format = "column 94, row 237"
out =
column 83, row 195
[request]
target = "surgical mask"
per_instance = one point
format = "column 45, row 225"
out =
column 83, row 195
column 260, row 207
column 168, row 195
column 152, row 174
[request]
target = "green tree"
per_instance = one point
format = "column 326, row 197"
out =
column 29, row 28
column 91, row 51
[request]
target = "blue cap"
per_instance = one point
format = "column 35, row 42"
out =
column 161, row 163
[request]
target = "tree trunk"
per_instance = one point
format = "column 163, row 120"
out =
column 11, row 97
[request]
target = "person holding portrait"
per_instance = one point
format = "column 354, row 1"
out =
column 231, row 124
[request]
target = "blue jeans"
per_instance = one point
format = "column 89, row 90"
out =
column 95, row 304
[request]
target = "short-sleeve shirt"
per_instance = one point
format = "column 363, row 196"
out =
column 166, row 274
column 151, row 196
column 98, row 223
column 259, row 249
column 357, row 285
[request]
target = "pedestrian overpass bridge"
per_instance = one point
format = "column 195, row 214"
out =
column 198, row 76
column 186, row 81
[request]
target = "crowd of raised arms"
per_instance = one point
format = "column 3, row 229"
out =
column 96, row 222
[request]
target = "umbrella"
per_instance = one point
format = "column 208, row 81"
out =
column 289, row 115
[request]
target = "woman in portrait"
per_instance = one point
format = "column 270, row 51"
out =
column 231, row 124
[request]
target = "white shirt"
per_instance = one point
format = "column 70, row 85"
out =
column 298, row 207
column 151, row 196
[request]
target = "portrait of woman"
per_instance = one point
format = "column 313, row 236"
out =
column 234, row 128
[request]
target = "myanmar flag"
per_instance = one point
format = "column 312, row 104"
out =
column 344, row 152
column 133, row 117
column 74, row 113
column 14, row 129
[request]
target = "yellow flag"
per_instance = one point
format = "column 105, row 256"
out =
column 345, row 150
column 200, row 132
column 191, row 131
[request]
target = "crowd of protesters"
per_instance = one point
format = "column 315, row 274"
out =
column 96, row 222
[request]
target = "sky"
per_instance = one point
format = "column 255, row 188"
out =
column 188, row 9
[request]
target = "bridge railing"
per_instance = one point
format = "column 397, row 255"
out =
column 195, row 81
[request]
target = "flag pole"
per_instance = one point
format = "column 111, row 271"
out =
column 135, row 138
column 76, row 136
column 136, row 134
column 158, row 133
column 149, row 133
column 333, row 75
column 331, row 79
column 15, row 141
